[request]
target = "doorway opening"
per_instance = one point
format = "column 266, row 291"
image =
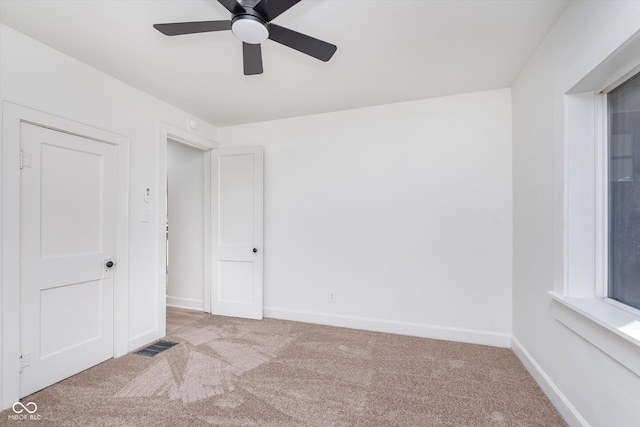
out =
column 185, row 187
column 185, row 226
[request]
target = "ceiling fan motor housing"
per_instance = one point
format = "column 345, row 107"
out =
column 249, row 26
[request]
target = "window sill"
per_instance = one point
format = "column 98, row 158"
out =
column 611, row 329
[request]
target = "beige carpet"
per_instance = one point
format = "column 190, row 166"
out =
column 235, row 372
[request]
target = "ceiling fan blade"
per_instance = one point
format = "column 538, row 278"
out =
column 302, row 43
column 252, row 59
column 270, row 9
column 179, row 28
column 232, row 6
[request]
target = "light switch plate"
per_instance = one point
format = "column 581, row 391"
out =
column 145, row 216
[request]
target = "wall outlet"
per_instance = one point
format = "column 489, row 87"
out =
column 331, row 296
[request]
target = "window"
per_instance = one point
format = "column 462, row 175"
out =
column 623, row 157
column 597, row 285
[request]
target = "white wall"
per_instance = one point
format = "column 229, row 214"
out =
column 35, row 76
column 185, row 172
column 588, row 386
column 403, row 210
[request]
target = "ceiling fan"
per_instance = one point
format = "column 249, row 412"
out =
column 251, row 23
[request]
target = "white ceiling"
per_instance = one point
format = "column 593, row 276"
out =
column 388, row 51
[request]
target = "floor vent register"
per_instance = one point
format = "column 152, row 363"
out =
column 156, row 348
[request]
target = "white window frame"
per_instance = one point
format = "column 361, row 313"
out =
column 601, row 184
column 581, row 296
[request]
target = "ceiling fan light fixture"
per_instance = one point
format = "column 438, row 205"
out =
column 251, row 23
column 249, row 29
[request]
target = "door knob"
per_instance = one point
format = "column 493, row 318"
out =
column 109, row 264
column 255, row 250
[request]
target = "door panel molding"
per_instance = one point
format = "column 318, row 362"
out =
column 13, row 116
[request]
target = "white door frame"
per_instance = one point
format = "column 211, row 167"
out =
column 13, row 115
column 167, row 132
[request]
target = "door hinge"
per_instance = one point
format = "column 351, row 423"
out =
column 25, row 161
column 25, row 360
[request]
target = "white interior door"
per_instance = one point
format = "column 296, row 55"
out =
column 237, row 221
column 68, row 224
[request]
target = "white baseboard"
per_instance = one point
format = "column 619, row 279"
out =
column 391, row 326
column 559, row 400
column 142, row 339
column 190, row 304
